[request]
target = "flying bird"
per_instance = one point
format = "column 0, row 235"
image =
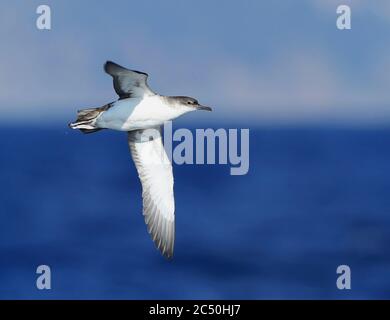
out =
column 142, row 112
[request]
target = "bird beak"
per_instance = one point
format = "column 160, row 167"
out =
column 200, row 107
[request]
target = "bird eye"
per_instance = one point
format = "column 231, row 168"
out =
column 189, row 102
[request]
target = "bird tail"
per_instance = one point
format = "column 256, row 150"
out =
column 86, row 119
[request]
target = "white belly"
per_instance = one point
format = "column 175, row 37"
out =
column 135, row 113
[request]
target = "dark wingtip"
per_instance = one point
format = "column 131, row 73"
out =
column 168, row 256
column 107, row 65
column 113, row 68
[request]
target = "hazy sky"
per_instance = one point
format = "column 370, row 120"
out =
column 280, row 61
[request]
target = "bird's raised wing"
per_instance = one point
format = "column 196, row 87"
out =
column 155, row 172
column 128, row 83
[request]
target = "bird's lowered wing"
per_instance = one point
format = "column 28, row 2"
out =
column 155, row 172
column 128, row 83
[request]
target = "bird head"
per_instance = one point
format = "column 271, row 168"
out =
column 187, row 104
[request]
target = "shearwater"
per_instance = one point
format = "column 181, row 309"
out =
column 141, row 112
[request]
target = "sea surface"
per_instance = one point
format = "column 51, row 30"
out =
column 313, row 199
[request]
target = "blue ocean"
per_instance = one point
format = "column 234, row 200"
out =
column 313, row 199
